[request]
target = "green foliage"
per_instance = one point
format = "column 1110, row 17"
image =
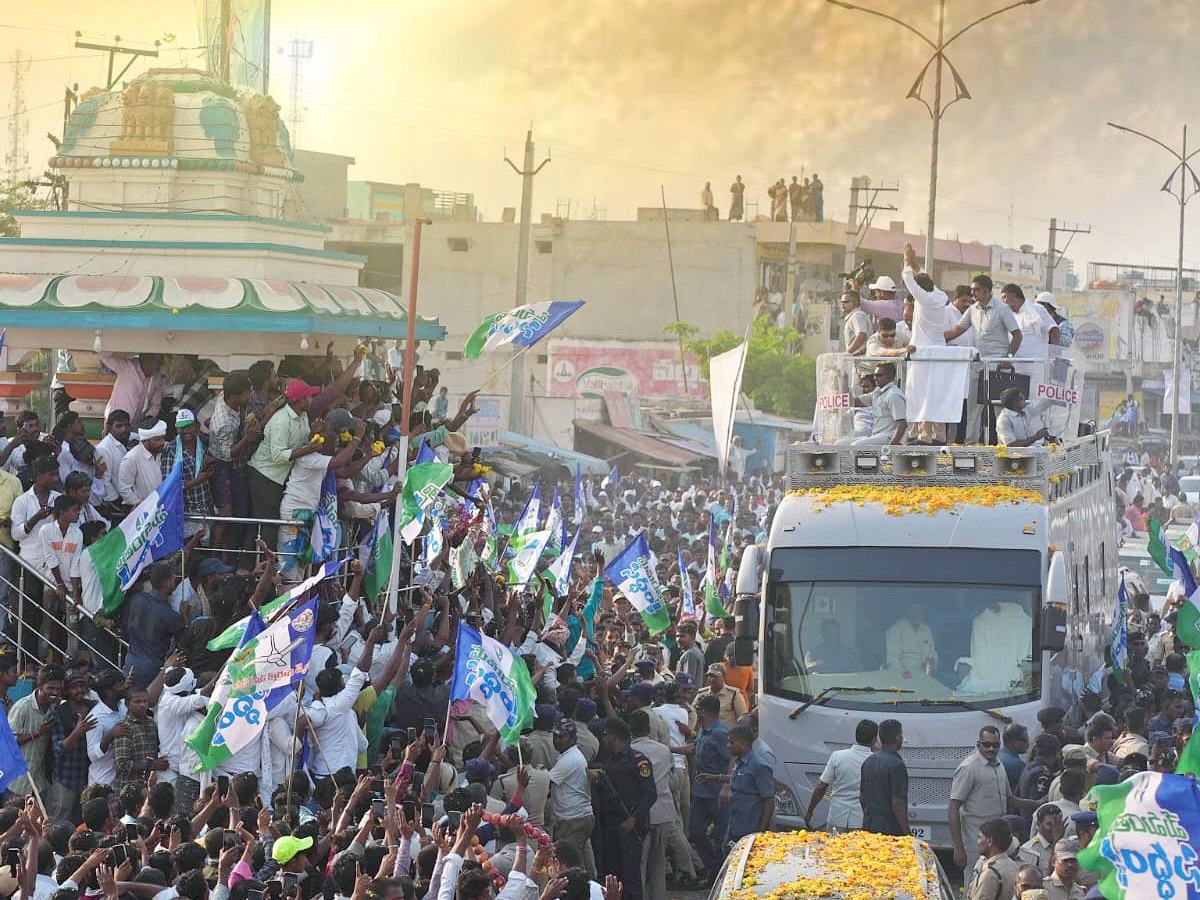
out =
column 16, row 195
column 778, row 381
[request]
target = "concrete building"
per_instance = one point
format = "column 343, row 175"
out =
column 379, row 201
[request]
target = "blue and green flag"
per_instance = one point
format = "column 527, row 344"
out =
column 1148, row 843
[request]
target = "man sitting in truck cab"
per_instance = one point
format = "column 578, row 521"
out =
column 910, row 646
column 831, row 656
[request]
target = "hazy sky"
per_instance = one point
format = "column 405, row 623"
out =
column 631, row 94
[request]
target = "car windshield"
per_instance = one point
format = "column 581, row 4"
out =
column 1190, row 484
column 918, row 644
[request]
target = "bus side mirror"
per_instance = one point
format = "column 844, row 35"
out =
column 745, row 629
column 1056, row 581
column 1054, row 628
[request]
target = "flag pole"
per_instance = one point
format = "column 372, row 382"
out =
column 38, row 795
column 295, row 740
column 512, row 359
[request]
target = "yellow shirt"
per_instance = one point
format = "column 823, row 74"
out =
column 10, row 490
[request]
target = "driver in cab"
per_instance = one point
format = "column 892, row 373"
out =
column 831, row 656
column 909, row 643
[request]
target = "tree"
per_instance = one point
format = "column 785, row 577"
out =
column 17, row 195
column 777, row 380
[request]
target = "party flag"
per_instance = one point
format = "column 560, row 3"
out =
column 633, row 575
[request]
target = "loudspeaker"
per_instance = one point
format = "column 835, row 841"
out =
column 914, row 463
column 816, row 463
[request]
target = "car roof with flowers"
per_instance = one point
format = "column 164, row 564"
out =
column 813, row 865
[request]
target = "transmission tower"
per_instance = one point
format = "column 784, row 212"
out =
column 297, row 50
column 16, row 159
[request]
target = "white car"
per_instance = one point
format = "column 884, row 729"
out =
column 1189, row 488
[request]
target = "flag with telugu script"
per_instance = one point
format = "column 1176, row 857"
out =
column 153, row 530
column 232, row 636
column 522, row 327
column 560, row 569
column 422, row 484
column 527, row 550
column 1148, row 842
column 1189, row 757
column 556, row 525
column 326, row 528
column 257, row 677
column 633, row 575
column 489, row 673
column 377, row 569
column 1189, row 541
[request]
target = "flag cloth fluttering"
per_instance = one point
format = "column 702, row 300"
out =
column 632, row 573
column 153, row 530
column 1157, row 545
column 523, row 326
column 489, row 673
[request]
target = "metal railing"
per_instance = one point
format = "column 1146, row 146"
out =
column 25, row 604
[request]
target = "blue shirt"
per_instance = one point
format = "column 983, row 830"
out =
column 752, row 782
column 711, row 758
column 1013, row 765
column 152, row 626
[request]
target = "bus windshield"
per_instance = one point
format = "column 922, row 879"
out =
column 918, row 642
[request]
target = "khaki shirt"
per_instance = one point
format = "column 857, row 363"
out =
column 1039, row 853
column 1056, row 890
column 983, row 792
column 733, row 704
column 994, row 879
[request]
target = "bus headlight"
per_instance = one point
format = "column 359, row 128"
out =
column 785, row 801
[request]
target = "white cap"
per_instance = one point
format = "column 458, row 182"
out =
column 884, row 283
column 1047, row 298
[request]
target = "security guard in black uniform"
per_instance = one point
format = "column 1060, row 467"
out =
column 623, row 796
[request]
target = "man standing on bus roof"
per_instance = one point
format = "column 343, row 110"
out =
column 883, row 784
column 909, row 642
column 978, row 793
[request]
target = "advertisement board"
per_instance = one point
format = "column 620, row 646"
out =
column 648, row 370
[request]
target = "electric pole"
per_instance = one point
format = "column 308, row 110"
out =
column 298, row 50
column 862, row 200
column 113, row 49
column 1053, row 255
column 516, row 403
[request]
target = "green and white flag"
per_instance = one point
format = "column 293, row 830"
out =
column 633, row 575
column 153, row 530
column 493, row 676
column 523, row 326
column 422, row 483
column 258, row 677
column 713, row 606
column 232, row 636
column 1157, row 545
column 1148, row 842
column 527, row 550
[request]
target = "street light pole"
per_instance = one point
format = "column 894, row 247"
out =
column 1185, row 193
column 936, row 110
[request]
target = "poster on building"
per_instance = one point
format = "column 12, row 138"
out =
column 483, row 428
column 647, row 370
column 1093, row 338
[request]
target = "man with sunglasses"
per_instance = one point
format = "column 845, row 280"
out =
column 978, row 793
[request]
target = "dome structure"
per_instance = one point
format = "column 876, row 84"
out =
column 177, row 140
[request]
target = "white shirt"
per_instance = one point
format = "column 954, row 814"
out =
column 103, row 768
column 91, row 591
column 140, row 474
column 50, row 549
column 842, row 772
column 571, row 793
column 967, row 338
column 17, row 458
column 676, row 718
column 25, row 508
column 171, row 714
column 112, row 452
column 337, row 728
column 321, row 652
column 303, row 488
column 44, row 887
column 1035, row 324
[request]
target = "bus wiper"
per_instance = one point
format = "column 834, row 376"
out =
column 846, row 690
column 994, row 713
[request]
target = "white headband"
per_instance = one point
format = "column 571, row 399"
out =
column 158, row 430
column 186, row 684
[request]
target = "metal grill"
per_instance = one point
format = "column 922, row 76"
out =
column 942, row 754
column 929, row 791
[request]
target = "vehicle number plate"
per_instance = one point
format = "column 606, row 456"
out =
column 919, row 831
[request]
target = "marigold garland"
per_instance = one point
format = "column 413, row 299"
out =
column 900, row 501
column 860, row 866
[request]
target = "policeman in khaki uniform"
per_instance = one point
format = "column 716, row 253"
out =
column 733, row 704
column 995, row 875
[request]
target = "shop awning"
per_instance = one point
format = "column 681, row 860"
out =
column 625, row 442
column 184, row 314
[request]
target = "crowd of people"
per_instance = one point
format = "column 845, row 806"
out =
column 916, row 397
column 642, row 762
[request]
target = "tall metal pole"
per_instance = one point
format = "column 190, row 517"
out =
column 1189, row 185
column 1177, row 354
column 226, row 40
column 937, row 127
column 516, row 402
column 674, row 292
